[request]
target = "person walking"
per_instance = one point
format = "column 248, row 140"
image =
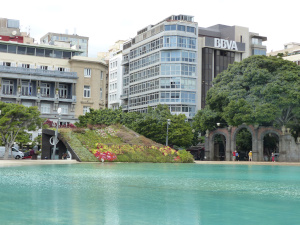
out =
column 273, row 157
column 236, row 156
column 233, row 155
column 250, row 155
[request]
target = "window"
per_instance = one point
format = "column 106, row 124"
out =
column 87, row 72
column 86, row 109
column 64, row 109
column 170, row 27
column 26, row 66
column 61, row 69
column 101, row 76
column 87, row 91
column 45, row 89
column 190, row 29
column 63, row 90
column 45, row 108
column 7, row 87
column 44, row 67
column 27, row 104
column 26, row 88
column 101, row 93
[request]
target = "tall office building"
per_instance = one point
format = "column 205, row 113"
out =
column 73, row 40
column 160, row 66
column 175, row 61
column 219, row 46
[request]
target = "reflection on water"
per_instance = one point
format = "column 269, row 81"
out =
column 145, row 193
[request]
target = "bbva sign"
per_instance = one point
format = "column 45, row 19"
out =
column 226, row 44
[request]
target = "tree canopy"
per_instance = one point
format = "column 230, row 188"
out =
column 14, row 119
column 259, row 90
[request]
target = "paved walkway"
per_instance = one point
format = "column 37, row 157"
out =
column 25, row 162
column 249, row 163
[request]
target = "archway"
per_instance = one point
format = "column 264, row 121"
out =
column 243, row 144
column 219, row 147
column 270, row 145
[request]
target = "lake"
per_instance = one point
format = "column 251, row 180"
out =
column 148, row 193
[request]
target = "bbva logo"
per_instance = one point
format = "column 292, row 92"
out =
column 222, row 43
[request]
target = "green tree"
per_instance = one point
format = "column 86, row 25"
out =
column 14, row 119
column 258, row 90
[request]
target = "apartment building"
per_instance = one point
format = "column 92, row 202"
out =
column 160, row 67
column 291, row 52
column 74, row 41
column 115, row 75
column 51, row 77
column 174, row 62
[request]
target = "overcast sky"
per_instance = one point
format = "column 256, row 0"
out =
column 105, row 22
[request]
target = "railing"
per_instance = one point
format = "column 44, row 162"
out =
column 51, row 73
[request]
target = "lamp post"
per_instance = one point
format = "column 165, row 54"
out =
column 168, row 123
column 56, row 132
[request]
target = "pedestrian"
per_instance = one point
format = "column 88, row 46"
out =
column 237, row 155
column 273, row 157
column 250, row 155
column 233, row 155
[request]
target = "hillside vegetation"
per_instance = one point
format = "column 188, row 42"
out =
column 119, row 144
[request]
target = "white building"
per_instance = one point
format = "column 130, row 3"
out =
column 115, row 75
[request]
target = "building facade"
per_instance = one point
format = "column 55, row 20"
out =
column 50, row 77
column 290, row 52
column 74, row 41
column 160, row 67
column 218, row 47
column 175, row 61
column 115, row 75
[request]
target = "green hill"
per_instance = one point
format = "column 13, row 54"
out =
column 119, row 144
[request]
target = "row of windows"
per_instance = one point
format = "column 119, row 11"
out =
column 179, row 41
column 112, row 97
column 36, row 51
column 259, row 52
column 46, row 108
column 8, row 88
column 151, row 46
column 173, row 109
column 32, row 66
column 113, row 76
column 145, row 61
column 144, row 74
column 145, row 86
column 113, row 86
column 178, row 96
column 178, row 55
column 178, row 69
column 113, row 64
column 178, row 82
column 144, row 100
column 180, row 28
column 125, row 81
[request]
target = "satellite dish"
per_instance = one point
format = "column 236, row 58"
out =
column 14, row 32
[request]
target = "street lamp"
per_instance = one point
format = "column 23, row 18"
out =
column 56, row 132
column 168, row 123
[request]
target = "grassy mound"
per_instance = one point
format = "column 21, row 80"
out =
column 119, row 144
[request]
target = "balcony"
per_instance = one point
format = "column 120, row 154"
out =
column 40, row 72
column 124, row 96
column 125, row 61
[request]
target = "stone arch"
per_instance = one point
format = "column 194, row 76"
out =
column 213, row 150
column 251, row 129
column 209, row 143
column 262, row 132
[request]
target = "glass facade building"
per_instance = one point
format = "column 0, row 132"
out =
column 160, row 67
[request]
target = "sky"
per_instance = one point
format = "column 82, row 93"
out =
column 106, row 22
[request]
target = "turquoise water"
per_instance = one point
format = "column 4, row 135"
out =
column 145, row 193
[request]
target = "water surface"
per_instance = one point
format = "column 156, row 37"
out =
column 146, row 193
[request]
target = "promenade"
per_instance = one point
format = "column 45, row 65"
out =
column 28, row 162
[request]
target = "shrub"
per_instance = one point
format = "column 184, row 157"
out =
column 185, row 156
